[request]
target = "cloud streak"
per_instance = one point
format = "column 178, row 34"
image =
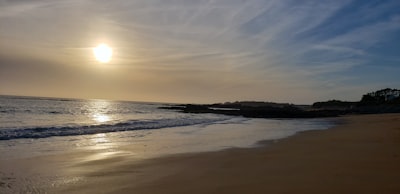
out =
column 281, row 50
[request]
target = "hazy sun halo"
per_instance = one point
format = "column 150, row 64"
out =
column 103, row 53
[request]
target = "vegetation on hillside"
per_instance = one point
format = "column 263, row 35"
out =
column 385, row 96
column 381, row 101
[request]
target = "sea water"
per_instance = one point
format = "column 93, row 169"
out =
column 34, row 126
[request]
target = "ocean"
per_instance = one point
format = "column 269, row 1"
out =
column 30, row 117
column 36, row 126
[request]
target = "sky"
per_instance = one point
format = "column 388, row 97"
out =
column 200, row 51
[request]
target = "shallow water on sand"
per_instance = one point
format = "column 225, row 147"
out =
column 235, row 132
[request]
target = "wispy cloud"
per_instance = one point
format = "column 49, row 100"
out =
column 285, row 46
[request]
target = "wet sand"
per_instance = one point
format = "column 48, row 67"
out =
column 361, row 155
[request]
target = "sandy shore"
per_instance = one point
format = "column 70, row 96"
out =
column 361, row 155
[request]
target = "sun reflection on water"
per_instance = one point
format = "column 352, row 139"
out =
column 100, row 118
column 99, row 111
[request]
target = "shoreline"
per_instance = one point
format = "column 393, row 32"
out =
column 358, row 156
column 235, row 132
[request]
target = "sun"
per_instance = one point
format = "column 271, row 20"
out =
column 103, row 53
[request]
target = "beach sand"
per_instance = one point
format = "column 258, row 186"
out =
column 361, row 155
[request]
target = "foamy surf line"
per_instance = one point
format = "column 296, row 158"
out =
column 44, row 132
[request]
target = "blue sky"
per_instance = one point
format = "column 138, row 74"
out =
column 201, row 50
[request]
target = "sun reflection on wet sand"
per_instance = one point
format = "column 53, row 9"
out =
column 100, row 138
column 100, row 143
column 101, row 147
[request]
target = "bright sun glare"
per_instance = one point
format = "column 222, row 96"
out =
column 103, row 53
